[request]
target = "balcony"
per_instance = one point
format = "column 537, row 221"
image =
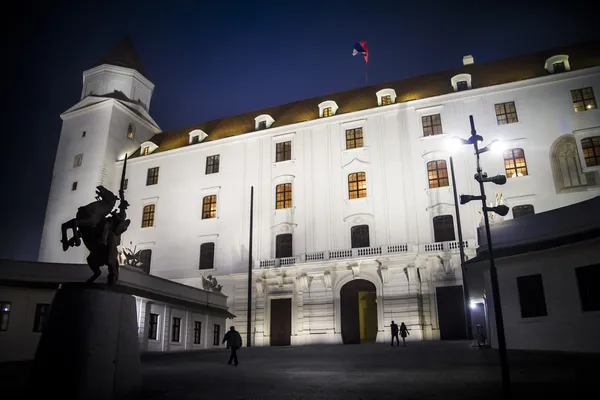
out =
column 367, row 252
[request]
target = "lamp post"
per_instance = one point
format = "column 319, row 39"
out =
column 502, row 210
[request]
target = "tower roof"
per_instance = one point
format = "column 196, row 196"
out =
column 124, row 55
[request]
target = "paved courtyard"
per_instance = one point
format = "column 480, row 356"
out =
column 424, row 370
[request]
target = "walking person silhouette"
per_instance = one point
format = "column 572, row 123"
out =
column 234, row 342
column 403, row 333
column 394, row 327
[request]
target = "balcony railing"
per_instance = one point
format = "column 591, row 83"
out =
column 364, row 252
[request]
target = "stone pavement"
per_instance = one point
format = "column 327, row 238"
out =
column 423, row 370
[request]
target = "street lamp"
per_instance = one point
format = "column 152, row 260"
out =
column 482, row 178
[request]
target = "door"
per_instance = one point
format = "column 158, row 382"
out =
column 451, row 312
column 281, row 322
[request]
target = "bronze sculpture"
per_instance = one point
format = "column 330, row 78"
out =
column 100, row 228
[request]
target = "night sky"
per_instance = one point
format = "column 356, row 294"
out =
column 228, row 57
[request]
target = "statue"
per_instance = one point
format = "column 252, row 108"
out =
column 100, row 227
column 210, row 283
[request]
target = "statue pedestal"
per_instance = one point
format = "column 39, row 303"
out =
column 89, row 348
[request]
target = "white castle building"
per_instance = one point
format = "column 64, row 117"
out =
column 354, row 216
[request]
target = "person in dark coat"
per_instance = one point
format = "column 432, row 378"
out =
column 234, row 342
column 394, row 327
column 403, row 333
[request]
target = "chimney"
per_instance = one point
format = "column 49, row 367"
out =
column 468, row 60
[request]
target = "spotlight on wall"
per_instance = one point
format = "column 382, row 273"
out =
column 497, row 146
column 473, row 305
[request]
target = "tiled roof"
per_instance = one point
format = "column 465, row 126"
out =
column 514, row 69
column 124, row 55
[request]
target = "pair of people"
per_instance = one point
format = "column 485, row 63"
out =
column 234, row 342
column 403, row 333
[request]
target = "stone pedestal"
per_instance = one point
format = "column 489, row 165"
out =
column 89, row 348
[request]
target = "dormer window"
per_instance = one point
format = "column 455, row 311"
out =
column 263, row 121
column 461, row 82
column 559, row 67
column 146, row 151
column 195, row 139
column 327, row 112
column 385, row 100
column 385, row 97
column 196, row 136
column 262, row 125
column 130, row 131
column 147, row 148
column 327, row 108
column 557, row 64
column 462, row 85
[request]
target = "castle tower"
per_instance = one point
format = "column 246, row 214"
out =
column 111, row 119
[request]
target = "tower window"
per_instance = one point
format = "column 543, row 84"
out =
column 443, row 228
column 283, row 151
column 74, row 186
column 514, row 163
column 432, row 125
column 212, row 164
column 283, row 245
column 131, row 132
column 283, row 196
column 78, row 160
column 327, row 112
column 148, row 216
column 152, row 176
column 359, row 236
column 437, row 172
column 506, row 113
column 207, row 256
column 591, row 151
column 357, row 185
column 354, row 138
column 385, row 100
column 209, row 207
column 583, row 99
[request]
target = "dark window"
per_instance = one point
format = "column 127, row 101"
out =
column 531, row 296
column 125, row 183
column 359, row 236
column 130, row 132
column 209, row 207
column 197, row 331
column 506, row 113
column 176, row 329
column 591, row 151
column 83, row 134
column 145, row 260
column 462, row 85
column 283, row 151
column 559, row 67
column 437, row 172
column 207, row 256
column 522, row 211
column 74, row 186
column 283, row 196
column 283, row 245
column 357, row 185
column 146, row 151
column 216, row 334
column 4, row 315
column 148, row 216
column 152, row 176
column 41, row 312
column 385, row 100
column 443, row 228
column 195, row 139
column 583, row 99
column 262, row 125
column 354, row 138
column 514, row 163
column 588, row 281
column 432, row 125
column 153, row 327
column 327, row 112
column 212, row 164
column 78, row 160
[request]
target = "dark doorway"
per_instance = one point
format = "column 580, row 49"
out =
column 359, row 236
column 358, row 306
column 451, row 312
column 281, row 322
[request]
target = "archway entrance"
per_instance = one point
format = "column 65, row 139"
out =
column 358, row 306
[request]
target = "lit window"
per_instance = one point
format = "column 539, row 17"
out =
column 437, row 173
column 283, row 245
column 385, row 100
column 176, row 331
column 130, row 132
column 443, row 228
column 153, row 327
column 152, row 176
column 283, row 196
column 522, row 211
column 4, row 315
column 462, row 85
column 432, row 125
column 506, row 113
column 327, row 112
column 354, row 138
column 283, row 151
column 583, row 99
column 207, row 256
column 531, row 296
column 591, row 151
column 209, row 207
column 212, row 164
column 41, row 312
column 146, row 151
column 197, row 331
column 74, row 186
column 148, row 216
column 514, row 163
column 78, row 160
column 357, row 185
column 359, row 236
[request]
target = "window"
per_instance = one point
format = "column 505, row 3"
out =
column 588, row 281
column 74, row 186
column 209, row 207
column 559, row 67
column 78, row 160
column 506, row 113
column 432, row 125
column 385, row 100
column 4, row 315
column 130, row 132
column 262, row 125
column 212, row 164
column 125, row 183
column 514, row 163
column 283, row 245
column 283, row 196
column 591, row 151
column 359, row 236
column 145, row 259
column 327, row 112
column 216, row 335
column 207, row 256
column 146, row 151
column 443, row 228
column 583, row 99
column 197, row 331
column 153, row 327
column 283, row 151
column 354, row 138
column 357, row 185
column 152, row 176
column 531, row 296
column 148, row 216
column 195, row 139
column 41, row 312
column 522, row 211
column 83, row 134
column 566, row 166
column 462, row 85
column 176, row 331
column 437, row 173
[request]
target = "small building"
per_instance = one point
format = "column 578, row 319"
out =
column 548, row 267
column 170, row 316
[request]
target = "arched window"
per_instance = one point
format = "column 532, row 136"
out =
column 359, row 236
column 566, row 166
column 131, row 132
column 522, row 211
column 437, row 172
column 591, row 151
column 443, row 228
column 514, row 163
column 283, row 245
column 357, row 185
column 207, row 256
column 283, row 196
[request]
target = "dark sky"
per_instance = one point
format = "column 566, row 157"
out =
column 210, row 60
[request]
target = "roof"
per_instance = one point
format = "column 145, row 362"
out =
column 125, row 55
column 514, row 69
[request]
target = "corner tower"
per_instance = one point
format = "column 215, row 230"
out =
column 111, row 119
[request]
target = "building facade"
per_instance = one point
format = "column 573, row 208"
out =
column 354, row 221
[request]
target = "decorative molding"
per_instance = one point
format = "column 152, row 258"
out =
column 260, row 287
column 355, row 161
column 327, row 279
